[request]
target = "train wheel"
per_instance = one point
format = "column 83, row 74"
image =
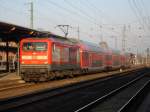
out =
column 51, row 75
column 58, row 74
column 87, row 71
column 43, row 78
column 27, row 79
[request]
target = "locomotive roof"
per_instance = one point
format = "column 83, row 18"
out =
column 54, row 39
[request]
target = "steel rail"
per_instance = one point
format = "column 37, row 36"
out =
column 110, row 94
column 18, row 101
column 134, row 102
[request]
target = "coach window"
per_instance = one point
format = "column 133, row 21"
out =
column 85, row 57
column 56, row 54
column 65, row 54
column 72, row 54
column 78, row 56
column 54, row 47
column 108, row 57
column 116, row 60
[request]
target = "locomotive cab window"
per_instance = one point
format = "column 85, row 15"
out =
column 34, row 46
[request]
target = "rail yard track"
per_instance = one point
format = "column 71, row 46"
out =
column 75, row 96
column 15, row 86
column 137, row 103
column 119, row 99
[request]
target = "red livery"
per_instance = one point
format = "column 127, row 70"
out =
column 42, row 59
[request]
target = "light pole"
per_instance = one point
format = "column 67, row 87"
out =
column 140, row 45
column 101, row 35
column 115, row 38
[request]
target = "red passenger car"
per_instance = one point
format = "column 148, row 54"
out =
column 92, row 57
column 108, row 60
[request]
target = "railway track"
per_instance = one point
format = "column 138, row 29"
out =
column 74, row 96
column 121, row 99
column 139, row 102
column 8, row 87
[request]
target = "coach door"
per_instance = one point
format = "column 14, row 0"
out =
column 73, row 56
column 85, row 59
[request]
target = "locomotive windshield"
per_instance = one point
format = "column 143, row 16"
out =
column 34, row 46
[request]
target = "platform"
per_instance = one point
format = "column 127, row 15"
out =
column 10, row 76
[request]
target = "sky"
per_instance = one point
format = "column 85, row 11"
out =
column 96, row 20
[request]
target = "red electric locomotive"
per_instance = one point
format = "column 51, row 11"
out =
column 42, row 59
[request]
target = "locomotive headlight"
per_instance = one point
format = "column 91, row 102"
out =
column 26, row 57
column 41, row 57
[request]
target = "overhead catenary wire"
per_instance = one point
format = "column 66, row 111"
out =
column 70, row 11
column 84, row 13
column 141, row 13
column 135, row 12
column 68, row 15
column 67, row 10
column 146, row 13
column 59, row 14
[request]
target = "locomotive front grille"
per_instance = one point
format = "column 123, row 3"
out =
column 33, row 69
